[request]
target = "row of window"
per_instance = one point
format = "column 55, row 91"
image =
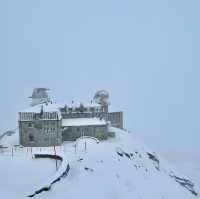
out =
column 82, row 109
column 48, row 130
column 35, row 116
column 32, row 138
column 31, row 125
column 86, row 129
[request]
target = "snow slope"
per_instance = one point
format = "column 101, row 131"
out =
column 20, row 173
column 10, row 140
column 120, row 168
column 188, row 163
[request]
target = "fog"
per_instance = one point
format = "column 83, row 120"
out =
column 145, row 53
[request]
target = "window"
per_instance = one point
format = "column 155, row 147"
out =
column 92, row 109
column 31, row 138
column 77, row 109
column 30, row 125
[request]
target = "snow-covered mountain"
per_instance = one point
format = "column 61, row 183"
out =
column 120, row 168
column 187, row 163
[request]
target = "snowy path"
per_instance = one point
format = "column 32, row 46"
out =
column 61, row 173
column 19, row 173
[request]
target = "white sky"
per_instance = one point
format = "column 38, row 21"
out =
column 145, row 53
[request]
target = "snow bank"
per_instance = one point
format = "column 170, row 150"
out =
column 121, row 167
column 61, row 173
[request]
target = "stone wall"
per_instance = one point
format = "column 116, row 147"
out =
column 116, row 118
column 40, row 133
column 72, row 133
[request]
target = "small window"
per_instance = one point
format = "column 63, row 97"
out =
column 30, row 125
column 77, row 109
column 92, row 109
column 31, row 138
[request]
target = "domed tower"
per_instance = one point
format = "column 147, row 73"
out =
column 40, row 96
column 102, row 97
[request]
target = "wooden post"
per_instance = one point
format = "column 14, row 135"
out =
column 56, row 159
column 26, row 151
column 85, row 146
column 75, row 148
column 12, row 152
column 31, row 153
column 54, row 150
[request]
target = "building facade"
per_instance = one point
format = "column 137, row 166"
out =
column 40, row 129
column 48, row 124
column 77, row 127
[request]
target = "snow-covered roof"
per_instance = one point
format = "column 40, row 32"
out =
column 83, row 122
column 85, row 104
column 56, row 106
column 46, row 108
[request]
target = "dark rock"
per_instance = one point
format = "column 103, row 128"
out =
column 185, row 183
column 88, row 169
column 155, row 159
column 127, row 155
column 120, row 154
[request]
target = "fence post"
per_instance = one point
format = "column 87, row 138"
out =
column 85, row 146
column 31, row 153
column 12, row 152
column 54, row 148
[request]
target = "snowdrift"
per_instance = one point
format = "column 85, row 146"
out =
column 119, row 168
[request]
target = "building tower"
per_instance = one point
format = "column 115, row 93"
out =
column 102, row 97
column 40, row 96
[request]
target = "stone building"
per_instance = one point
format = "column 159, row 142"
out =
column 40, row 125
column 50, row 124
column 77, row 127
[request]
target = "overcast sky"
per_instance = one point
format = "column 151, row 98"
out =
column 145, row 53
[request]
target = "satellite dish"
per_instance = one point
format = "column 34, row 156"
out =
column 102, row 97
